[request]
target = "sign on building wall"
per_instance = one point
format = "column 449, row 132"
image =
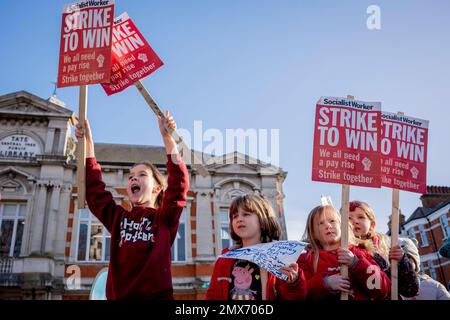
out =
column 19, row 146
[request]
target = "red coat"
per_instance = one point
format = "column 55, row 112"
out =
column 276, row 289
column 359, row 275
column 140, row 259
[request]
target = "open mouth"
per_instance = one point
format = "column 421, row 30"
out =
column 135, row 189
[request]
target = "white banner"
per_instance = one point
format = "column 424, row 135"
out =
column 271, row 256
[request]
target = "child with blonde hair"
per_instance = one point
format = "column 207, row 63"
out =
column 362, row 218
column 324, row 256
column 253, row 221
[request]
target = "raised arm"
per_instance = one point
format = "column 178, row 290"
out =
column 100, row 201
column 175, row 196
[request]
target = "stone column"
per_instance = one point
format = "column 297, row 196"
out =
column 61, row 221
column 49, row 140
column 51, row 230
column 38, row 217
column 204, row 226
column 217, row 220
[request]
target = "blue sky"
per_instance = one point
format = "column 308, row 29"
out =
column 258, row 64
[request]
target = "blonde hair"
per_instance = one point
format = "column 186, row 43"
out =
column 383, row 240
column 309, row 237
column 270, row 228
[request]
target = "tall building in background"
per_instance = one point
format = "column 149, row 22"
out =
column 51, row 250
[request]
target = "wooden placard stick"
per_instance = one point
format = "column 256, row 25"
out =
column 394, row 242
column 344, row 230
column 395, row 217
column 188, row 156
column 344, row 225
column 81, row 148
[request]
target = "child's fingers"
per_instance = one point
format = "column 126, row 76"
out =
column 343, row 289
column 291, row 276
column 171, row 124
column 283, row 271
column 344, row 260
column 344, row 286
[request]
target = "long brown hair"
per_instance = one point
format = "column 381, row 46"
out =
column 159, row 179
column 270, row 228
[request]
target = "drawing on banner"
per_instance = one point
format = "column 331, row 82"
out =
column 414, row 172
column 100, row 60
column 366, row 163
column 143, row 57
column 271, row 256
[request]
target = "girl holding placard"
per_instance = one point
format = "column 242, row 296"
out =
column 140, row 263
column 321, row 262
column 362, row 218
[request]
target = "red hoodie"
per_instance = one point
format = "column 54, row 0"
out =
column 140, row 256
column 276, row 289
column 359, row 275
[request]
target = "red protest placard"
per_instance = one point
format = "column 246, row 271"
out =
column 404, row 152
column 347, row 135
column 132, row 57
column 86, row 37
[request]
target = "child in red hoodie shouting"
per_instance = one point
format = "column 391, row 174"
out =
column 324, row 256
column 253, row 221
column 140, row 256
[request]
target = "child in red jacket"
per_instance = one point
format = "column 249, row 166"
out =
column 324, row 256
column 253, row 221
column 362, row 218
column 140, row 256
